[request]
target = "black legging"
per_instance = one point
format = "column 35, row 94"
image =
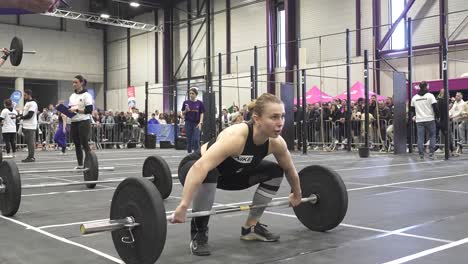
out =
column 10, row 141
column 80, row 131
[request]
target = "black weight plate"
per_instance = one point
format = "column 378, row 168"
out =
column 138, row 198
column 17, row 55
column 92, row 174
column 332, row 203
column 10, row 199
column 157, row 167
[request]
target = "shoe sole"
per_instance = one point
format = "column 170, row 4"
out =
column 256, row 237
column 206, row 253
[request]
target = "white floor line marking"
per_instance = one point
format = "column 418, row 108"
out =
column 386, row 232
column 428, row 252
column 390, row 192
column 72, row 191
column 359, row 183
column 71, row 176
column 405, row 182
column 64, row 240
column 429, row 189
column 390, row 165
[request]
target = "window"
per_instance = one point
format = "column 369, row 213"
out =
column 398, row 40
column 281, row 36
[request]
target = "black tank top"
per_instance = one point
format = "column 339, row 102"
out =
column 250, row 157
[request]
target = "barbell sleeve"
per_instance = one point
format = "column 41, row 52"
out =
column 24, row 51
column 107, row 225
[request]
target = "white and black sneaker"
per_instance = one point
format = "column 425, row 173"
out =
column 199, row 244
column 258, row 232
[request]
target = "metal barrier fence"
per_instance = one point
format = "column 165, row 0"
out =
column 321, row 135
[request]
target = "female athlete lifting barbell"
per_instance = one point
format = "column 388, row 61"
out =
column 234, row 161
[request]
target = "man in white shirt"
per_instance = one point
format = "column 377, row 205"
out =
column 29, row 118
column 455, row 114
column 424, row 105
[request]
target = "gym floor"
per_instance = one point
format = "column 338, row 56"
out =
column 400, row 210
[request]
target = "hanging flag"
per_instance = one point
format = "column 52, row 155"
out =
column 16, row 97
column 131, row 96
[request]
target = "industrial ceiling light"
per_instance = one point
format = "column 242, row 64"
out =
column 105, row 16
column 134, row 4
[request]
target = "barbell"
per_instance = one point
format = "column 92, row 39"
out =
column 138, row 219
column 16, row 51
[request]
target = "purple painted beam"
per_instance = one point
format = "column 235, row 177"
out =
column 395, row 24
column 437, row 85
column 425, row 46
column 14, row 11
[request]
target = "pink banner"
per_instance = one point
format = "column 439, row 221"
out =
column 131, row 96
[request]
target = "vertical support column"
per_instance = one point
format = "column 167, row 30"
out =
column 255, row 72
column 167, row 58
column 252, row 83
column 210, row 112
column 208, row 74
column 272, row 34
column 156, row 48
column 446, row 86
column 348, row 91
column 376, row 25
column 442, row 30
column 146, row 113
column 189, row 43
column 105, row 66
column 291, row 15
column 409, row 43
column 19, row 85
column 304, row 107
column 366, row 98
column 220, row 92
column 228, row 36
column 358, row 28
column 129, row 80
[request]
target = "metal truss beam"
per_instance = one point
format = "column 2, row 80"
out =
column 106, row 21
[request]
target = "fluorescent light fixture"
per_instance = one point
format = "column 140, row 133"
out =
column 134, row 4
column 105, row 16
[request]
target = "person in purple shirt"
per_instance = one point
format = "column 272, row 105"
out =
column 193, row 111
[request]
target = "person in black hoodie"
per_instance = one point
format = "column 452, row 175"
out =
column 424, row 106
column 441, row 121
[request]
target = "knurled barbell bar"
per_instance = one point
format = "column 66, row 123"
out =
column 138, row 219
column 16, row 51
column 10, row 181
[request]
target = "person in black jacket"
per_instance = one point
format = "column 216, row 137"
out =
column 442, row 119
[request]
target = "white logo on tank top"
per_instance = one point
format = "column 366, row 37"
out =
column 244, row 159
